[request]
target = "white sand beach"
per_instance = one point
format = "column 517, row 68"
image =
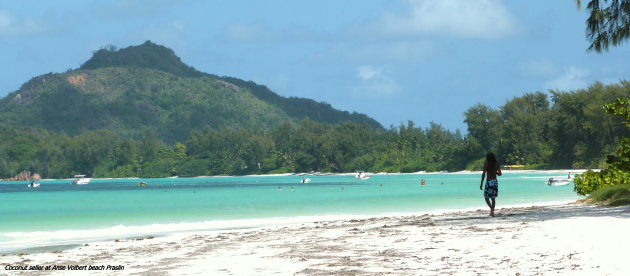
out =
column 567, row 239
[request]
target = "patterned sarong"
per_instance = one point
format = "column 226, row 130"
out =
column 492, row 189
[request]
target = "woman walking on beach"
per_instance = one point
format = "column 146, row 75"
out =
column 492, row 185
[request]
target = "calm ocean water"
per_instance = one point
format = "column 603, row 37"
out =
column 58, row 213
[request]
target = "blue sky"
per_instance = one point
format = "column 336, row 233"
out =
column 425, row 61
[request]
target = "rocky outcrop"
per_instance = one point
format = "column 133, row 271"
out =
column 24, row 175
column 28, row 92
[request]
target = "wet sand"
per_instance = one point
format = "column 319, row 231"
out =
column 568, row 239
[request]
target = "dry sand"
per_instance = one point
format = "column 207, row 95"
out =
column 569, row 239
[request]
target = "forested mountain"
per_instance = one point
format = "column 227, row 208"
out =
column 148, row 88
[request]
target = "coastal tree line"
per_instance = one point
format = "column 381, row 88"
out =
column 538, row 130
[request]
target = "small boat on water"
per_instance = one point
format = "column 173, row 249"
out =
column 33, row 184
column 142, row 184
column 306, row 180
column 558, row 182
column 80, row 179
column 361, row 175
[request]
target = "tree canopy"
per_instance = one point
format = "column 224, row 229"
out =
column 608, row 23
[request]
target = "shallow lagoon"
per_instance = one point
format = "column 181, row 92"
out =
column 60, row 213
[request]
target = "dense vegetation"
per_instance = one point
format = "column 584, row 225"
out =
column 570, row 131
column 618, row 169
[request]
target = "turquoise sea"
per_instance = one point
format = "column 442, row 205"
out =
column 58, row 213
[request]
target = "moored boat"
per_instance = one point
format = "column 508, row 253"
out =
column 33, row 184
column 80, row 179
column 557, row 182
column 361, row 175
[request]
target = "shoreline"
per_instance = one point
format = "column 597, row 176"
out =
column 563, row 171
column 118, row 232
column 565, row 238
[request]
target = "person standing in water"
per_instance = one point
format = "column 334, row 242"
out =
column 491, row 190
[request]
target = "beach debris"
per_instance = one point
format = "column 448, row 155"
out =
column 477, row 229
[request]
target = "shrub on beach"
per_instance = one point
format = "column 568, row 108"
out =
column 614, row 195
column 591, row 181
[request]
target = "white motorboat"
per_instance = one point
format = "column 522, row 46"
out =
column 558, row 182
column 361, row 175
column 80, row 179
column 306, row 180
column 33, row 184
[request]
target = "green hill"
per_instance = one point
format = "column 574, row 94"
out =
column 147, row 87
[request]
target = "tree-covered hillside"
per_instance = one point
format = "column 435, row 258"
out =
column 303, row 108
column 132, row 100
column 147, row 87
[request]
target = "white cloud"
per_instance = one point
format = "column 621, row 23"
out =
column 485, row 19
column 539, row 68
column 367, row 72
column 374, row 82
column 178, row 25
column 9, row 25
column 573, row 78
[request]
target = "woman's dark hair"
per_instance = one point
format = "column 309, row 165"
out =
column 491, row 160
